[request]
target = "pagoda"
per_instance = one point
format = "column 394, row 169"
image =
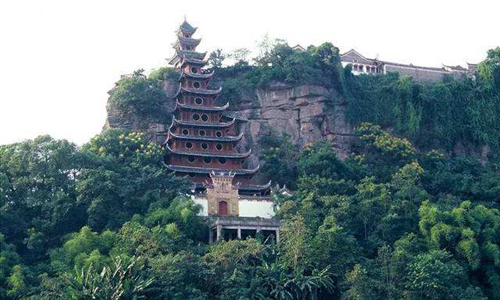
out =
column 202, row 140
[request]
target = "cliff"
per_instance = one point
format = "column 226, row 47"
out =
column 307, row 113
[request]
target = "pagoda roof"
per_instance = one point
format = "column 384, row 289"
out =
column 200, row 107
column 196, row 75
column 197, row 91
column 186, row 169
column 180, row 54
column 255, row 187
column 187, row 28
column 208, row 138
column 200, row 124
column 186, row 41
column 193, row 61
column 210, row 154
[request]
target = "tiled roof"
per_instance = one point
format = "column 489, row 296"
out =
column 181, row 54
column 196, row 75
column 193, row 61
column 185, row 169
column 201, row 124
column 255, row 187
column 187, row 28
column 198, row 91
column 201, row 107
column 208, row 138
column 210, row 154
column 187, row 41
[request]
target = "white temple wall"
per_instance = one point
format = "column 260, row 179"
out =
column 247, row 208
column 256, row 208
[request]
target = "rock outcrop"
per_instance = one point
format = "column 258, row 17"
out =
column 307, row 113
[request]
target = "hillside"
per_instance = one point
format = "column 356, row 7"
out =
column 391, row 211
column 312, row 100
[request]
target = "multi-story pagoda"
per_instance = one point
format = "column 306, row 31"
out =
column 202, row 142
column 202, row 139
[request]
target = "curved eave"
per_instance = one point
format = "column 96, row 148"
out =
column 192, row 61
column 187, row 54
column 186, row 41
column 188, row 31
column 199, row 124
column 209, row 154
column 200, row 108
column 255, row 187
column 195, row 75
column 197, row 170
column 198, row 91
column 205, row 138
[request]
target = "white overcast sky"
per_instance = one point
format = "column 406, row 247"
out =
column 58, row 59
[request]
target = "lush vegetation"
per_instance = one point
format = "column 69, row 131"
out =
column 106, row 221
column 461, row 111
column 432, row 115
column 393, row 221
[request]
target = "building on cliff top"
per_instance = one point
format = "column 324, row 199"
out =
column 202, row 143
column 373, row 66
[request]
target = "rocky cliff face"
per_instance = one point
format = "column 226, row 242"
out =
column 307, row 113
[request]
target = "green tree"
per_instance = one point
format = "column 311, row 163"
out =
column 436, row 275
column 124, row 279
column 280, row 156
column 472, row 235
column 126, row 176
column 142, row 94
column 38, row 197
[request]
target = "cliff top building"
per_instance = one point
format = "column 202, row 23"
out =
column 203, row 144
column 374, row 66
column 363, row 65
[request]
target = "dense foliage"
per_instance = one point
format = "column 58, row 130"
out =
column 461, row 111
column 144, row 95
column 107, row 221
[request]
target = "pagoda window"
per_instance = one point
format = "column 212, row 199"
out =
column 188, row 47
column 194, row 70
column 219, row 147
column 202, row 133
column 218, row 133
column 191, row 159
column 198, row 100
column 196, row 85
column 189, row 145
column 355, row 67
column 185, row 132
column 207, row 160
column 195, row 117
column 222, row 161
column 204, row 118
column 204, row 146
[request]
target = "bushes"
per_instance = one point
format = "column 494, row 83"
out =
column 144, row 95
column 433, row 115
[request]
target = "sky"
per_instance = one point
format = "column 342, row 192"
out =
column 59, row 59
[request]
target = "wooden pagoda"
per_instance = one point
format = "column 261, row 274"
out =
column 202, row 139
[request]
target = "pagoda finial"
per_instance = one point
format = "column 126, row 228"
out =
column 185, row 18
